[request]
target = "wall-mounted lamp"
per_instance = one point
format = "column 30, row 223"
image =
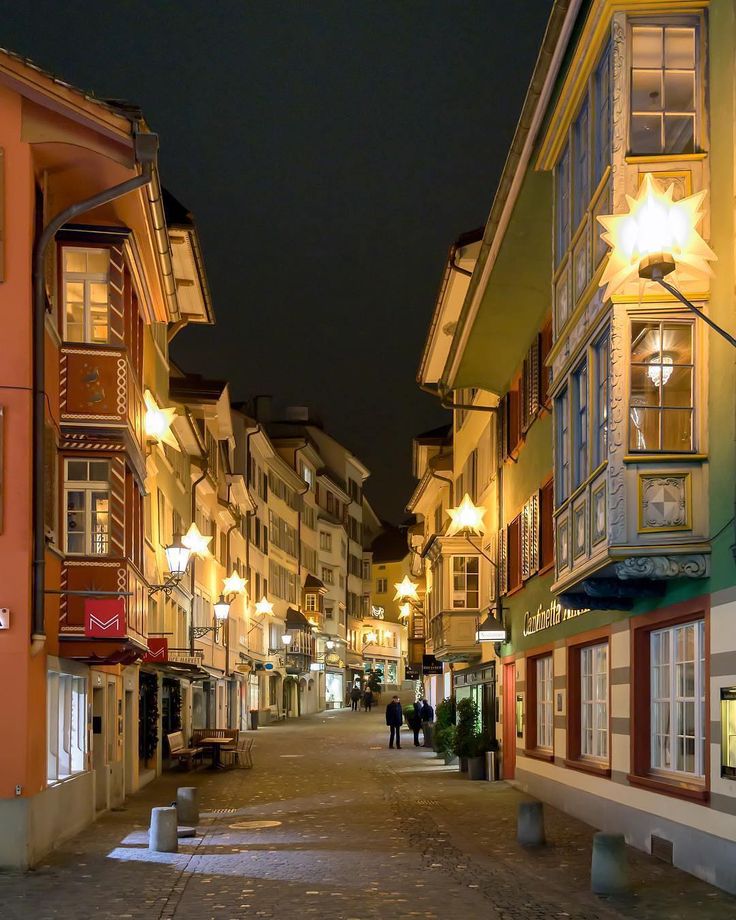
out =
column 177, row 561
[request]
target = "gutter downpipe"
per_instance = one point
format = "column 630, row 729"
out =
column 145, row 149
column 194, row 561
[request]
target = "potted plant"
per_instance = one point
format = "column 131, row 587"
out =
column 466, row 742
column 445, row 739
column 477, row 748
column 444, row 718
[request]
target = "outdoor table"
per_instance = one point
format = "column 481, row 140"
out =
column 215, row 744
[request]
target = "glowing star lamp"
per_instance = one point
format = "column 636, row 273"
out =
column 406, row 590
column 196, row 541
column 158, row 421
column 655, row 238
column 234, row 584
column 467, row 518
column 405, row 611
column 370, row 638
column 264, row 606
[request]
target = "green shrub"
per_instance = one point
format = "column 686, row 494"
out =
column 445, row 739
column 445, row 715
column 467, row 736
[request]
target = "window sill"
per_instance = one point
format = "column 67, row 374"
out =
column 632, row 158
column 589, row 766
column 653, row 457
column 540, row 754
column 681, row 790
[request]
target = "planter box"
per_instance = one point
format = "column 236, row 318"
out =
column 476, row 767
column 450, row 758
column 463, row 764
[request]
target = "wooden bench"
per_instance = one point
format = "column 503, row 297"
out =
column 178, row 750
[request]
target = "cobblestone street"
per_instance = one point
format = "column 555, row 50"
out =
column 331, row 823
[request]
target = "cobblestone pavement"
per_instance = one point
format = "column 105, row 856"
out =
column 350, row 830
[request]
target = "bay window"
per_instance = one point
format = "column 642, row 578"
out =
column 85, row 294
column 580, row 430
column 677, row 688
column 602, row 116
column 661, row 401
column 465, row 582
column 562, row 459
column 664, row 88
column 87, row 503
column 562, row 205
column 602, row 353
column 581, row 165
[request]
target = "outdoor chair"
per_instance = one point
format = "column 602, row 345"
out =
column 241, row 753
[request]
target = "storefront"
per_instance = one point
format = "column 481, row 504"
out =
column 386, row 668
column 479, row 684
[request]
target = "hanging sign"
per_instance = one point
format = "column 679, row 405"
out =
column 430, row 665
column 158, row 649
column 104, row 618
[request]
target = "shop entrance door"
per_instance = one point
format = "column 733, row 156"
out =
column 509, row 720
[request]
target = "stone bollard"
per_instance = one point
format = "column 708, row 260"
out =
column 609, row 870
column 187, row 805
column 530, row 824
column 162, row 836
column 428, row 732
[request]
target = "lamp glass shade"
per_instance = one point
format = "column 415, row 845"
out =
column 177, row 558
column 330, row 644
column 222, row 609
column 286, row 639
column 490, row 630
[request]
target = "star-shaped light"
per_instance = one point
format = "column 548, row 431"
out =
column 264, row 606
column 195, row 541
column 406, row 590
column 466, row 518
column 234, row 584
column 158, row 421
column 655, row 227
column 405, row 611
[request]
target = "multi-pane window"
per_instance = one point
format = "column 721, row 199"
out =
column 544, row 702
column 602, row 350
column 562, row 465
column 580, row 417
column 602, row 116
column 325, row 541
column 87, row 501
column 562, row 205
column 465, row 582
column 310, row 603
column 328, row 577
column 66, row 725
column 661, row 407
column 594, row 701
column 581, row 165
column 85, row 293
column 381, row 585
column 677, row 661
column 664, row 89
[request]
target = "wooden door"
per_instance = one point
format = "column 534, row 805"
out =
column 509, row 720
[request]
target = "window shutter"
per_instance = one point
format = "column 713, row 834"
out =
column 533, row 533
column 534, row 379
column 503, row 580
column 525, row 543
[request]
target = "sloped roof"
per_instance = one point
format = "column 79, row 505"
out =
column 390, row 545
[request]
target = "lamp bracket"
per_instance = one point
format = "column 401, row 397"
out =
column 167, row 587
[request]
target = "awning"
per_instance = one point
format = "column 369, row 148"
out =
column 100, row 651
column 295, row 619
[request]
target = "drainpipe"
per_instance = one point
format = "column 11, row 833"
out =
column 194, row 560
column 145, row 148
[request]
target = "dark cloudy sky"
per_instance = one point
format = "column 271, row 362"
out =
column 331, row 150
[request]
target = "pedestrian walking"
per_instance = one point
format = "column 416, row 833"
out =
column 354, row 697
column 394, row 718
column 427, row 722
column 414, row 721
column 368, row 699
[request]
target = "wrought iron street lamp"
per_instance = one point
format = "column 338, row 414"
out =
column 222, row 612
column 177, row 561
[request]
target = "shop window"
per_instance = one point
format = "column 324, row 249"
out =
column 661, row 402
column 66, row 725
column 87, row 503
column 664, row 89
column 85, row 294
column 465, row 582
column 728, row 732
column 540, row 728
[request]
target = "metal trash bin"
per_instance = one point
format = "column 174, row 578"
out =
column 254, row 719
column 491, row 766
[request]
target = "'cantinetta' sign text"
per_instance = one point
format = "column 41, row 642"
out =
column 546, row 617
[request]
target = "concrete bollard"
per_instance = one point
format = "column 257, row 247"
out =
column 187, row 805
column 530, row 824
column 609, row 870
column 428, row 732
column 162, row 836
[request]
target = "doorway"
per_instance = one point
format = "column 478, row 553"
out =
column 98, row 748
column 509, row 720
column 129, row 736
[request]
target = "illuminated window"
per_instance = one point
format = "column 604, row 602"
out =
column 580, row 419
column 85, row 293
column 465, row 582
column 594, row 701
column 664, row 89
column 544, row 701
column 87, row 501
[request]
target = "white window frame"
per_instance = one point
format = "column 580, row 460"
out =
column 85, row 279
column 544, row 714
column 594, row 679
column 87, row 487
column 66, row 725
column 459, row 596
column 310, row 603
column 665, row 693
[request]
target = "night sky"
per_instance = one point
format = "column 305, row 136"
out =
column 330, row 152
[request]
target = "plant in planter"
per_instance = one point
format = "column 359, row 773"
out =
column 444, row 718
column 476, row 756
column 445, row 740
column 467, row 731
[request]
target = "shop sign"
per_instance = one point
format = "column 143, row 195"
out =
column 411, row 673
column 158, row 650
column 430, row 665
column 104, row 618
column 547, row 617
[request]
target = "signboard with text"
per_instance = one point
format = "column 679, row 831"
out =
column 158, row 650
column 430, row 665
column 104, row 618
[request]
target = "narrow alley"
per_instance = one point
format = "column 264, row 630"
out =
column 332, row 823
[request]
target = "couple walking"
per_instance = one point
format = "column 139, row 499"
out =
column 361, row 696
column 423, row 713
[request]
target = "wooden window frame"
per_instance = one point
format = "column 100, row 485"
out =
column 574, row 759
column 531, row 748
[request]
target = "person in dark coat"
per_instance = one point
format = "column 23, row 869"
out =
column 355, row 698
column 415, row 722
column 427, row 712
column 394, row 718
column 368, row 699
